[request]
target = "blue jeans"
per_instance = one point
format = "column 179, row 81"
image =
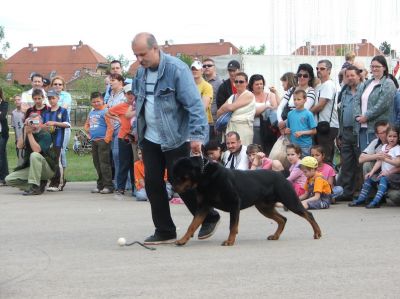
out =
column 365, row 138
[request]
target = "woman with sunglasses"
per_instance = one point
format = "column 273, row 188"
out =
column 375, row 102
column 305, row 80
column 263, row 131
column 242, row 104
column 65, row 101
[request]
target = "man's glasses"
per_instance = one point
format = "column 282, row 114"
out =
column 320, row 68
column 303, row 75
column 207, row 65
column 239, row 81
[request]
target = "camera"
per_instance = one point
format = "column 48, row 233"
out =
column 34, row 122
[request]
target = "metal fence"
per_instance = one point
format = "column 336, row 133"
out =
column 79, row 115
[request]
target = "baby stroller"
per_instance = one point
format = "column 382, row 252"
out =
column 82, row 143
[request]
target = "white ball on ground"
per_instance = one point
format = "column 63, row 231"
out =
column 121, row 241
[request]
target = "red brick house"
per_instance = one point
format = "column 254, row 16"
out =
column 201, row 50
column 66, row 61
column 364, row 48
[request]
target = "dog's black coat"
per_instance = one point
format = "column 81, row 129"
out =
column 234, row 190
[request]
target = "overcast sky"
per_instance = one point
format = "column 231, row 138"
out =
column 282, row 25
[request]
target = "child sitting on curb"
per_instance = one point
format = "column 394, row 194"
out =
column 317, row 190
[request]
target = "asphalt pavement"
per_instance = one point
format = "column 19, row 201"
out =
column 64, row 245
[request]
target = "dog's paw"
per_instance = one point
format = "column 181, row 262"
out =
column 180, row 242
column 317, row 236
column 273, row 237
column 228, row 243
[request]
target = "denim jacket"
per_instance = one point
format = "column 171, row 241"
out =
column 178, row 106
column 380, row 102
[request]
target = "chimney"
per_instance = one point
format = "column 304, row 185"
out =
column 221, row 41
column 80, row 44
column 166, row 44
column 308, row 44
column 30, row 47
column 364, row 41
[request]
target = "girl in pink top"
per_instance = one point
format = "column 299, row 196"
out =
column 296, row 177
column 317, row 151
column 258, row 159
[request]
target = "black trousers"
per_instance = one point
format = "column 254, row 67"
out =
column 350, row 170
column 155, row 162
column 327, row 141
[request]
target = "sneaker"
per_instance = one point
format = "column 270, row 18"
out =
column 33, row 190
column 52, row 189
column 106, row 191
column 156, row 239
column 2, row 183
column 120, row 192
column 207, row 230
column 95, row 190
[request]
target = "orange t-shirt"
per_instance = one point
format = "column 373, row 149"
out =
column 120, row 110
column 320, row 184
column 138, row 168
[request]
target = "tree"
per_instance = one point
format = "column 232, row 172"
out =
column 186, row 59
column 83, row 87
column 385, row 47
column 252, row 50
column 4, row 45
column 124, row 62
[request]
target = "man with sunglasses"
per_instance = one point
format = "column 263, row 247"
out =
column 171, row 123
column 325, row 109
column 211, row 76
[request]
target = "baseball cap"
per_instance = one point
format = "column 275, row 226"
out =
column 197, row 65
column 128, row 88
column 233, row 65
column 52, row 93
column 309, row 161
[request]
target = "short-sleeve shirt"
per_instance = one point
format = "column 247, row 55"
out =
column 301, row 120
column 17, row 122
column 327, row 90
column 59, row 115
column 374, row 147
column 327, row 171
column 34, row 110
column 206, row 89
column 320, row 184
column 120, row 110
column 394, row 152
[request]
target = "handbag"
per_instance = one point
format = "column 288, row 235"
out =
column 222, row 122
column 324, row 127
column 287, row 109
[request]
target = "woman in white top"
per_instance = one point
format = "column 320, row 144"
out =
column 305, row 81
column 243, row 108
column 264, row 101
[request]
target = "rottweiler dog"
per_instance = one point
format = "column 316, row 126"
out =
column 233, row 190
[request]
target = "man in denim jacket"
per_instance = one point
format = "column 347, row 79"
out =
column 170, row 123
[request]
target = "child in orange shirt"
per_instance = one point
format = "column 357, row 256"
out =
column 141, row 194
column 317, row 189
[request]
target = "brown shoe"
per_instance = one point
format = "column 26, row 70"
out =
column 33, row 190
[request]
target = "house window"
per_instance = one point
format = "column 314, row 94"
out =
column 53, row 74
column 9, row 76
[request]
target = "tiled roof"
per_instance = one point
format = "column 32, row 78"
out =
column 201, row 50
column 63, row 60
column 360, row 49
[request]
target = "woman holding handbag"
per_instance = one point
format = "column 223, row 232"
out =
column 243, row 108
column 265, row 105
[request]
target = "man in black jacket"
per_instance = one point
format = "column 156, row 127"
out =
column 227, row 88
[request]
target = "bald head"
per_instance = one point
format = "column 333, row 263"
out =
column 145, row 48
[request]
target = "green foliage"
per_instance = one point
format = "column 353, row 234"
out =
column 343, row 50
column 252, row 50
column 85, row 86
column 124, row 63
column 4, row 45
column 186, row 59
column 385, row 47
column 9, row 90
